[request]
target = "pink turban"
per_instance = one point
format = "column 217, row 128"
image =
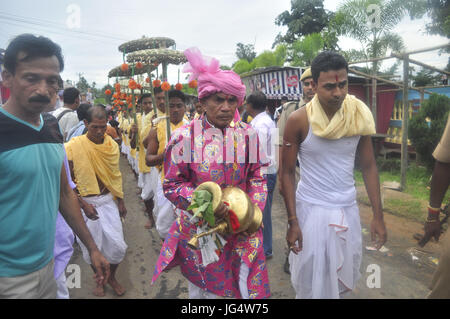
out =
column 210, row 78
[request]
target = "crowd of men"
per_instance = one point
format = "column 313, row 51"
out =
column 60, row 177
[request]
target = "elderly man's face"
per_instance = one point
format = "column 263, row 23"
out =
column 220, row 109
column 34, row 84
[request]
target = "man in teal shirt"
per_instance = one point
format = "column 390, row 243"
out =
column 33, row 182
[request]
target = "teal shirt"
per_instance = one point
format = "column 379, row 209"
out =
column 31, row 159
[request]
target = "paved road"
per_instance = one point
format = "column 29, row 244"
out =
column 400, row 276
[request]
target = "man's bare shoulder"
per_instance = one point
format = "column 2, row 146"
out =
column 298, row 116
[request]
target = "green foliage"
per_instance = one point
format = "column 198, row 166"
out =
column 202, row 201
column 245, row 51
column 439, row 12
column 306, row 17
column 266, row 59
column 242, row 66
column 353, row 16
column 302, row 52
column 425, row 77
column 426, row 128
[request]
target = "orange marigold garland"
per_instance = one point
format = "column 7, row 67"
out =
column 139, row 65
column 108, row 92
column 179, row 86
column 117, row 87
column 132, row 84
column 147, row 80
column 156, row 83
column 165, row 86
column 124, row 67
column 193, row 84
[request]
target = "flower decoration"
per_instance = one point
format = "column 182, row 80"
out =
column 132, row 84
column 156, row 83
column 165, row 86
column 147, row 80
column 117, row 87
column 124, row 67
column 108, row 92
column 179, row 86
column 139, row 65
column 193, row 84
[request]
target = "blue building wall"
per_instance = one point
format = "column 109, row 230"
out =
column 415, row 95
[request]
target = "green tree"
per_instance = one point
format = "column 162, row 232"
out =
column 440, row 17
column 245, row 51
column 371, row 23
column 302, row 52
column 82, row 84
column 425, row 129
column 425, row 77
column 305, row 17
column 242, row 66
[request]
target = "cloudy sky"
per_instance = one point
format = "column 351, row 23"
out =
column 90, row 32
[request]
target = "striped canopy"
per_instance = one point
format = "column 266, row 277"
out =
column 275, row 82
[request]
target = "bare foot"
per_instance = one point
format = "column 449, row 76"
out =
column 99, row 291
column 150, row 223
column 118, row 289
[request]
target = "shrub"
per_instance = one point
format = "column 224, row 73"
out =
column 425, row 135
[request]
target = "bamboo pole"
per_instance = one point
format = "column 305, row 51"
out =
column 421, row 64
column 405, row 119
column 152, row 91
column 166, row 96
column 384, row 80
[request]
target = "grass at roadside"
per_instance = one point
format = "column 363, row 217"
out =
column 417, row 182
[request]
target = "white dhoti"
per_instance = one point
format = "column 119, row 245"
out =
column 106, row 230
column 141, row 180
column 149, row 184
column 164, row 211
column 329, row 262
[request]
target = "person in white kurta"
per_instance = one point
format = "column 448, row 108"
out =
column 324, row 231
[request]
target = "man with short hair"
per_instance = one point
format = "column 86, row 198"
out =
column 148, row 176
column 33, row 183
column 80, row 128
column 324, row 229
column 66, row 115
column 94, row 162
column 157, row 141
column 284, row 111
column 265, row 126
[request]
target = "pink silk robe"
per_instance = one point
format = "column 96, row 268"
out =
column 181, row 179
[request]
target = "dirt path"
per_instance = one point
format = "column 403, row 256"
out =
column 400, row 275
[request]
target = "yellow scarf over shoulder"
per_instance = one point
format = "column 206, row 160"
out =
column 144, row 128
column 92, row 161
column 161, row 133
column 353, row 118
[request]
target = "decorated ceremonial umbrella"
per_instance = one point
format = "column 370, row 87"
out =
column 159, row 53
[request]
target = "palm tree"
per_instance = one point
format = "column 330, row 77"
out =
column 371, row 22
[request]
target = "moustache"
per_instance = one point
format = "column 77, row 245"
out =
column 39, row 99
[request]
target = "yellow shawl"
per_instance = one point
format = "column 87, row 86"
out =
column 353, row 118
column 92, row 161
column 144, row 129
column 161, row 133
